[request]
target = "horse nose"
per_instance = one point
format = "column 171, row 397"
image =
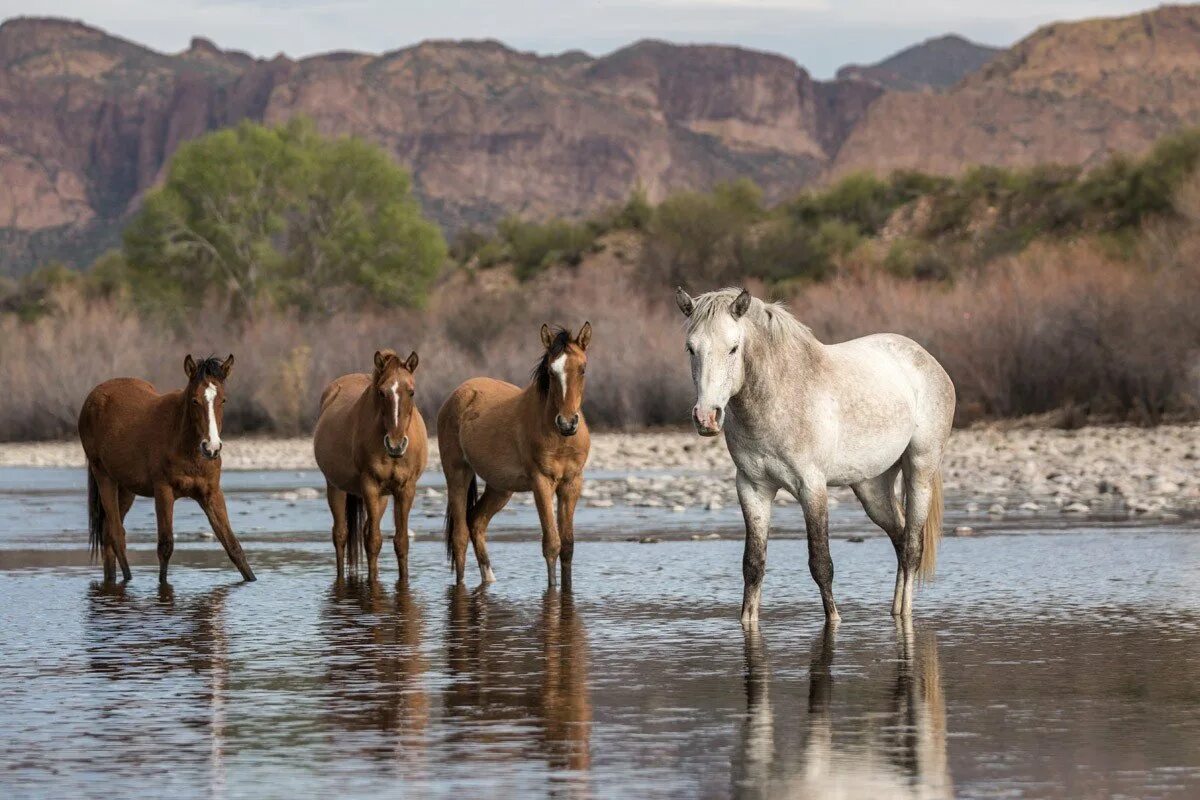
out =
column 209, row 452
column 567, row 427
column 708, row 419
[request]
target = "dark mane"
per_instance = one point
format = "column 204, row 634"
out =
column 209, row 368
column 558, row 345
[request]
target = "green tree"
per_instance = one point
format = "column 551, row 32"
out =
column 285, row 215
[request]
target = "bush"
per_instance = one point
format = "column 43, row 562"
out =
column 280, row 214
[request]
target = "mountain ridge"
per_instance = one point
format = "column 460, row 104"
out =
column 88, row 120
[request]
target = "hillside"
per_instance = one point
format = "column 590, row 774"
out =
column 1069, row 93
column 88, row 120
column 934, row 64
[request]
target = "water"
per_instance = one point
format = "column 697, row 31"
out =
column 1040, row 664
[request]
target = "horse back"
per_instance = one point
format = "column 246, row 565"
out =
column 124, row 425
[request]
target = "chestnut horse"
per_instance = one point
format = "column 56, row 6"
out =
column 165, row 446
column 517, row 440
column 370, row 443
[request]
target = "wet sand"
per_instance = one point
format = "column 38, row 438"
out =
column 995, row 472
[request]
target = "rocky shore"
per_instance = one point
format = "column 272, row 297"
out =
column 988, row 471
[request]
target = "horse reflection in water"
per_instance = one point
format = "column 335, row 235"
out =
column 894, row 752
column 145, row 645
column 504, row 678
column 376, row 668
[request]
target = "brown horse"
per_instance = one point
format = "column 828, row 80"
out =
column 165, row 446
column 517, row 440
column 370, row 443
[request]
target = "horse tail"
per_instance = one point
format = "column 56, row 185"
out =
column 931, row 533
column 96, row 535
column 356, row 529
column 472, row 499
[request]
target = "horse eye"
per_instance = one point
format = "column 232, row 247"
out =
column 411, row 392
column 195, row 401
column 734, row 350
column 224, row 400
column 691, row 352
column 583, row 370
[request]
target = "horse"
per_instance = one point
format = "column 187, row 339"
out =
column 165, row 446
column 518, row 440
column 802, row 416
column 370, row 443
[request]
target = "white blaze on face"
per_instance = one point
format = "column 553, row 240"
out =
column 559, row 367
column 214, row 435
column 395, row 403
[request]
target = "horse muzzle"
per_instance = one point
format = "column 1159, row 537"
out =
column 708, row 421
column 567, row 427
column 395, row 451
column 210, row 453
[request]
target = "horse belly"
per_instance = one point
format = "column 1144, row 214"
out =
column 865, row 459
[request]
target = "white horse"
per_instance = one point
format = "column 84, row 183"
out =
column 802, row 416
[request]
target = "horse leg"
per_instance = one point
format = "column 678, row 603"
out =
column 403, row 501
column 919, row 476
column 458, row 481
column 110, row 500
column 878, row 498
column 543, row 498
column 489, row 505
column 164, row 512
column 213, row 504
column 756, row 503
column 568, row 496
column 376, row 506
column 814, row 499
column 337, row 507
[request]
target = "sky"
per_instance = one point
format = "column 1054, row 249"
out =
column 821, row 35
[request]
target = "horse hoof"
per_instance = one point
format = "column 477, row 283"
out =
column 489, row 576
column 749, row 621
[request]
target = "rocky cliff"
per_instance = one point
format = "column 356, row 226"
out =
column 1071, row 93
column 88, row 120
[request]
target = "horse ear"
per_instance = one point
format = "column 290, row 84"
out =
column 741, row 305
column 585, row 336
column 189, row 365
column 411, row 363
column 547, row 339
column 379, row 360
column 684, row 301
column 227, row 366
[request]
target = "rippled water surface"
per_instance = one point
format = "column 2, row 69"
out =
column 1040, row 664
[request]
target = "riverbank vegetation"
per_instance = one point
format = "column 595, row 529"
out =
column 1052, row 290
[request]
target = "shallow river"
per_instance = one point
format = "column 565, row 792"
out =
column 1041, row 663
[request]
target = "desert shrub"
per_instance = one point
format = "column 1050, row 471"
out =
column 534, row 246
column 695, row 237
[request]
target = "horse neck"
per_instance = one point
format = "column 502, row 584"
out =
column 184, row 434
column 539, row 411
column 770, row 364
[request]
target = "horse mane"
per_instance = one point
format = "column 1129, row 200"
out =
column 209, row 368
column 558, row 346
column 773, row 318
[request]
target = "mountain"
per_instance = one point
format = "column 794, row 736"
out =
column 89, row 120
column 1071, row 93
column 934, row 64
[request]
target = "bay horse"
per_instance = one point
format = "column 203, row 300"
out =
column 165, row 446
column 370, row 443
column 518, row 440
column 800, row 415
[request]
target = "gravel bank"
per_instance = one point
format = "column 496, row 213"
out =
column 995, row 471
